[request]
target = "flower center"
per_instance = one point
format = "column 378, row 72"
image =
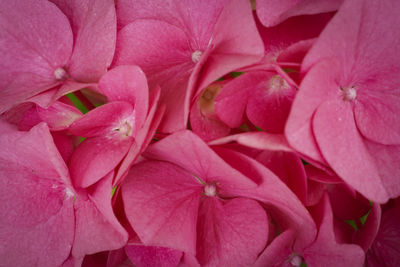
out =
column 196, row 55
column 60, row 74
column 296, row 260
column 278, row 84
column 210, row 190
column 125, row 128
column 349, row 93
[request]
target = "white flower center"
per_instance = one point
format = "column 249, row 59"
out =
column 125, row 128
column 196, row 56
column 210, row 190
column 296, row 260
column 60, row 74
column 349, row 93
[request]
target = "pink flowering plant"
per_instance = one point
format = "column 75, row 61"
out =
column 199, row 133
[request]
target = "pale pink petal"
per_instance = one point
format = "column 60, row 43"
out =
column 231, row 232
column 36, row 40
column 95, row 157
column 148, row 256
column 97, row 228
column 272, row 12
column 161, row 202
column 346, row 153
column 129, row 84
column 94, row 27
column 36, row 216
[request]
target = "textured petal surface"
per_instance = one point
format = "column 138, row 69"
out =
column 36, row 217
column 147, row 256
column 231, row 233
column 94, row 27
column 59, row 116
column 36, row 40
column 97, row 228
column 325, row 251
column 95, row 157
column 129, row 84
column 368, row 65
column 192, row 154
column 272, row 12
column 347, row 154
column 161, row 202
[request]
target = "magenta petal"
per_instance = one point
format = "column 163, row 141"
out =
column 103, row 120
column 36, row 215
column 325, row 251
column 146, row 256
column 95, row 30
column 346, row 153
column 97, row 228
column 231, row 233
column 129, row 84
column 161, row 202
column 36, row 40
column 365, row 236
column 95, row 157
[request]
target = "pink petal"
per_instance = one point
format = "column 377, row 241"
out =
column 292, row 213
column 143, row 137
column 208, row 127
column 147, row 256
column 192, row 154
column 385, row 247
column 259, row 140
column 325, row 251
column 367, row 65
column 272, row 12
column 95, row 30
column 277, row 252
column 161, row 202
column 170, row 64
column 270, row 102
column 97, row 228
column 235, row 42
column 231, row 233
column 231, row 102
column 36, row 40
column 59, row 115
column 365, row 236
column 347, row 154
column 103, row 120
column 387, row 160
column 36, row 216
column 129, row 84
column 95, row 157
column 312, row 92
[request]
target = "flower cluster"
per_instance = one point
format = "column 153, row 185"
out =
column 199, row 133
